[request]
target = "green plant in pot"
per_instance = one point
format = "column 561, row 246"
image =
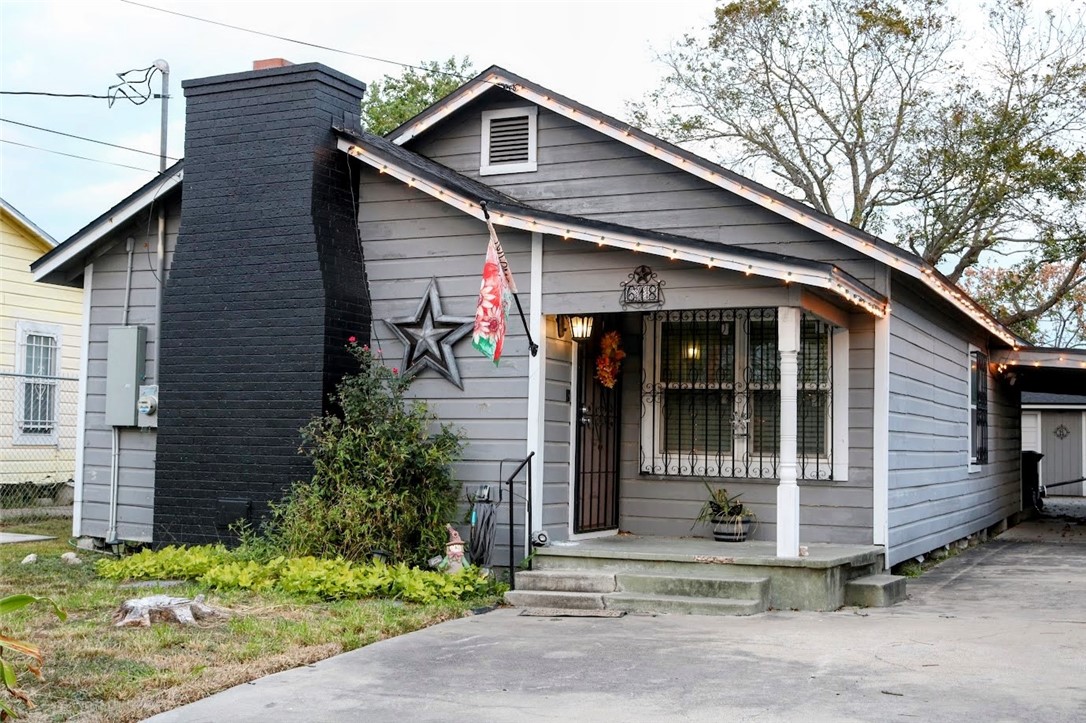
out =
column 731, row 519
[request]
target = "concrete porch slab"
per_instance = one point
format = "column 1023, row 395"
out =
column 814, row 582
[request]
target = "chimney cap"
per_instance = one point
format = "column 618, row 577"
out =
column 271, row 63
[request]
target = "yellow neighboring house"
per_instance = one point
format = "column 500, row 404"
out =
column 41, row 330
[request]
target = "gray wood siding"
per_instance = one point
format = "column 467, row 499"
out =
column 556, row 467
column 135, row 509
column 583, row 172
column 933, row 498
column 407, row 238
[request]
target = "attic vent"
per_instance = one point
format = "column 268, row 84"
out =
column 509, row 141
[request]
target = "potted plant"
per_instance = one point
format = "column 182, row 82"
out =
column 731, row 519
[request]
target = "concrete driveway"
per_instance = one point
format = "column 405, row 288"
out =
column 996, row 634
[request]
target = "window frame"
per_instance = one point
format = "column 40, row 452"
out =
column 24, row 330
column 653, row 432
column 975, row 393
column 486, row 168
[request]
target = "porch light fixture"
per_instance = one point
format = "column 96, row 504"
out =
column 580, row 327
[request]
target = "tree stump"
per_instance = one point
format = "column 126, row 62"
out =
column 142, row 612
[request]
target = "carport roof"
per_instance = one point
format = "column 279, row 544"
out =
column 1047, row 370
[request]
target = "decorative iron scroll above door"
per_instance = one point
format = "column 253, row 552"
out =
column 642, row 289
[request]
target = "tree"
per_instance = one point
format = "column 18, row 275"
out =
column 858, row 108
column 396, row 99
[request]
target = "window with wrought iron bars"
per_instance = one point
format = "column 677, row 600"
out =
column 978, row 409
column 710, row 402
column 36, row 403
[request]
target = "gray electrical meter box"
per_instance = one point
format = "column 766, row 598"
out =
column 125, row 359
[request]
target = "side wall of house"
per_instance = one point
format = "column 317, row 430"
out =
column 409, row 239
column 933, row 497
column 583, row 172
column 136, row 479
column 50, row 457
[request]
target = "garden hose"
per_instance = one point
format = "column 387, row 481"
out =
column 484, row 530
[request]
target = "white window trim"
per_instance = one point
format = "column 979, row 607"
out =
column 837, row 431
column 492, row 169
column 23, row 329
column 971, row 461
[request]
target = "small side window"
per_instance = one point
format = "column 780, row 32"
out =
column 509, row 141
column 978, row 408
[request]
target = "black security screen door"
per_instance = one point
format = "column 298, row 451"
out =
column 596, row 479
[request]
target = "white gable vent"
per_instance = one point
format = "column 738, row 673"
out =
column 509, row 141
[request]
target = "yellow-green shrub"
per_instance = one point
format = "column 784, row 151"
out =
column 330, row 579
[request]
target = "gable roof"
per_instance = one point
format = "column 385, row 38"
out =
column 78, row 246
column 479, row 200
column 868, row 244
column 29, row 226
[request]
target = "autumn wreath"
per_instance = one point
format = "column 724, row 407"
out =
column 609, row 362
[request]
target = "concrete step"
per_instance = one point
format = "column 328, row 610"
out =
column 549, row 599
column 681, row 605
column 875, row 591
column 566, row 581
column 756, row 588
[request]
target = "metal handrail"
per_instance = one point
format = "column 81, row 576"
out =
column 522, row 463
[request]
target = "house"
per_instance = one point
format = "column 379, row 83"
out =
column 849, row 391
column 40, row 328
column 1055, row 426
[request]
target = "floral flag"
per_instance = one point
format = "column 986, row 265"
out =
column 495, row 293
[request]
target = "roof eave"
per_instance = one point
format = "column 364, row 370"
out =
column 861, row 241
column 56, row 266
column 720, row 257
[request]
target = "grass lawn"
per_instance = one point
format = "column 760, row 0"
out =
column 95, row 672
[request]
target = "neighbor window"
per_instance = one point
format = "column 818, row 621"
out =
column 509, row 141
column 711, row 398
column 978, row 408
column 37, row 364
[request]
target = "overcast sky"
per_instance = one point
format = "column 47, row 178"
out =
column 599, row 52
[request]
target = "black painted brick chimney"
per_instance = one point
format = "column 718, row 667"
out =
column 267, row 283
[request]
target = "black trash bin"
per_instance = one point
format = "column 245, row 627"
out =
column 1031, row 481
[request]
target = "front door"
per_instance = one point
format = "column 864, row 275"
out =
column 595, row 493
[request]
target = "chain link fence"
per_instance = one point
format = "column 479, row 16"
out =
column 37, row 446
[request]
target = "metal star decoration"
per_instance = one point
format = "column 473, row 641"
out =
column 428, row 337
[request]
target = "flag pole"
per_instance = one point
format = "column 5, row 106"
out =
column 533, row 348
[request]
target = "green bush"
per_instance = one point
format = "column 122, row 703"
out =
column 381, row 479
column 168, row 563
column 332, row 579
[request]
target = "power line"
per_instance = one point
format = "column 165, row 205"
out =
column 83, row 138
column 53, row 95
column 72, row 155
column 292, row 40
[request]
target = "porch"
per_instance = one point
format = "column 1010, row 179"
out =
column 636, row 573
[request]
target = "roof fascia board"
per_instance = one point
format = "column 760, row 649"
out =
column 510, row 217
column 1041, row 407
column 28, row 226
column 93, row 234
column 691, row 165
column 1041, row 357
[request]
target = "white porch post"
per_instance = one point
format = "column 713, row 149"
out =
column 537, row 384
column 788, row 326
